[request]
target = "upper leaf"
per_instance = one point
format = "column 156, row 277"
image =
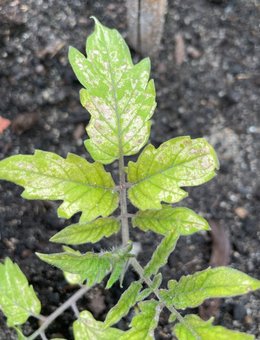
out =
column 84, row 187
column 145, row 322
column 127, row 300
column 18, row 300
column 206, row 331
column 87, row 328
column 118, row 95
column 219, row 282
column 168, row 219
column 91, row 266
column 87, row 232
column 159, row 173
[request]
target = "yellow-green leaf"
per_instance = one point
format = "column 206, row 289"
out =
column 87, row 328
column 18, row 300
column 206, row 331
column 168, row 219
column 92, row 267
column 219, row 282
column 118, row 95
column 82, row 186
column 161, row 254
column 144, row 322
column 93, row 231
column 73, row 279
column 159, row 174
column 127, row 300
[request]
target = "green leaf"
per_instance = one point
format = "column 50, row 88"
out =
column 219, row 282
column 87, row 328
column 84, row 187
column 206, row 331
column 118, row 95
column 163, row 221
column 144, row 323
column 18, row 300
column 73, row 279
column 161, row 254
column 87, row 232
column 127, row 300
column 159, row 173
column 92, row 267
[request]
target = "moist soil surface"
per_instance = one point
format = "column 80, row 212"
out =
column 213, row 92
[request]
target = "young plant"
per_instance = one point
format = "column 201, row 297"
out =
column 121, row 100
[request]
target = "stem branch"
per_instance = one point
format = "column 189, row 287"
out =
column 49, row 319
column 139, row 269
column 123, row 202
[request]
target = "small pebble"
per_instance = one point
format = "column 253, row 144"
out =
column 241, row 212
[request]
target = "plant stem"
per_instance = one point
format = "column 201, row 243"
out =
column 75, row 309
column 125, row 239
column 43, row 336
column 49, row 319
column 123, row 202
column 139, row 269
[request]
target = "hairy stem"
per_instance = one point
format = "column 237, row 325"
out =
column 67, row 304
column 123, row 202
column 139, row 270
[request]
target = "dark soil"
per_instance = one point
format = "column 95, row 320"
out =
column 213, row 93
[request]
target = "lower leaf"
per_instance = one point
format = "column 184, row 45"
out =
column 18, row 300
column 192, row 290
column 87, row 328
column 127, row 300
column 92, row 267
column 161, row 254
column 206, row 331
column 145, row 322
